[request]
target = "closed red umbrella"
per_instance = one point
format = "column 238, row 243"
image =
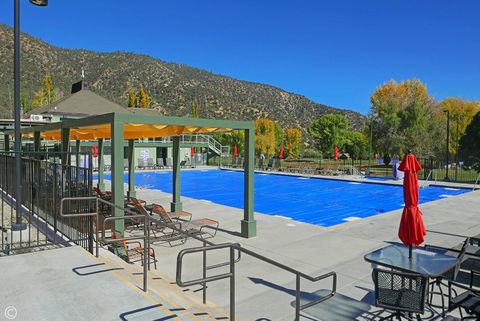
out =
column 280, row 155
column 235, row 151
column 412, row 230
column 192, row 151
column 335, row 153
column 95, row 151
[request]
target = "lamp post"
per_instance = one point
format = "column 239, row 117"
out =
column 448, row 139
column 370, row 147
column 458, row 145
column 18, row 225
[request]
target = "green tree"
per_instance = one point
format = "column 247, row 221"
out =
column 236, row 137
column 132, row 98
column 195, row 109
column 357, row 145
column 279, row 136
column 293, row 142
column 328, row 131
column 24, row 102
column 470, row 144
column 403, row 115
column 144, row 100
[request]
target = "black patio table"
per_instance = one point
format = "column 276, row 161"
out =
column 424, row 262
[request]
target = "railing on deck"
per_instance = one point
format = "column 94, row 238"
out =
column 45, row 181
column 207, row 246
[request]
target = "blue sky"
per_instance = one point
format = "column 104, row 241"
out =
column 333, row 52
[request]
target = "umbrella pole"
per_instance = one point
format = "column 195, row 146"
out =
column 410, row 252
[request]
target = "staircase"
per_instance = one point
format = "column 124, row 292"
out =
column 168, row 300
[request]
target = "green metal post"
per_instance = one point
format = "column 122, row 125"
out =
column 117, row 175
column 248, row 224
column 65, row 145
column 176, row 204
column 131, row 169
column 77, row 160
column 36, row 141
column 101, row 165
column 7, row 142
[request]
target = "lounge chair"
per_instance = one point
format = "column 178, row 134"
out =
column 153, row 209
column 168, row 162
column 189, row 227
column 193, row 227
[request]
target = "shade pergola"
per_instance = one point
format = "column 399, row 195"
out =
column 119, row 127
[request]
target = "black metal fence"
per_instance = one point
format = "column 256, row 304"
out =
column 45, row 181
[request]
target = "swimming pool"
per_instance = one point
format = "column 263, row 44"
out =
column 316, row 201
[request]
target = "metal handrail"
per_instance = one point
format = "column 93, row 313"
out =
column 476, row 182
column 231, row 275
column 95, row 214
column 207, row 246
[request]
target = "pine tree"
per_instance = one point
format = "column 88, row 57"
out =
column 195, row 109
column 144, row 99
column 132, row 98
column 48, row 90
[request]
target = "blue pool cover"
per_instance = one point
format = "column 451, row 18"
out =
column 316, row 201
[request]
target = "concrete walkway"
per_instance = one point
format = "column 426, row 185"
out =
column 265, row 292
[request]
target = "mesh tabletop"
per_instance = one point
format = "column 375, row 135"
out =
column 427, row 263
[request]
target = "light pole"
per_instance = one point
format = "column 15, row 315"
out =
column 18, row 225
column 458, row 145
column 448, row 139
column 370, row 147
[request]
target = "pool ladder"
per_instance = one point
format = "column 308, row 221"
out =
column 425, row 184
column 476, row 183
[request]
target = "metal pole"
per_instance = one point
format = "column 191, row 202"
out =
column 297, row 298
column 17, row 115
column 370, row 147
column 458, row 145
column 448, row 139
column 232, row 284
column 204, row 285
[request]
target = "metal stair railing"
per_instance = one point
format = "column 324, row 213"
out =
column 147, row 221
column 231, row 275
column 207, row 246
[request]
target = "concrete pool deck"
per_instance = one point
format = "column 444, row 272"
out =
column 264, row 292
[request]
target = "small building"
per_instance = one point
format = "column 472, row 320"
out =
column 82, row 102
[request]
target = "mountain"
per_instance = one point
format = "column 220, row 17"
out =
column 173, row 87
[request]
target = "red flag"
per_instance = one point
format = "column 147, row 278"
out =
column 335, row 153
column 412, row 230
column 280, row 155
column 95, row 151
column 235, row 151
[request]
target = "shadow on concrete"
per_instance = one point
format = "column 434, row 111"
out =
column 339, row 307
column 134, row 314
column 76, row 270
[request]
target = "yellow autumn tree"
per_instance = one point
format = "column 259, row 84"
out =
column 461, row 114
column 46, row 95
column 144, row 100
column 132, row 98
column 293, row 142
column 265, row 141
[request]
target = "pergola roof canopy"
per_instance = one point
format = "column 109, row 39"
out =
column 134, row 126
column 130, row 131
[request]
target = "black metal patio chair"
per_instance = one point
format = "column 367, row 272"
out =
column 402, row 293
column 468, row 301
